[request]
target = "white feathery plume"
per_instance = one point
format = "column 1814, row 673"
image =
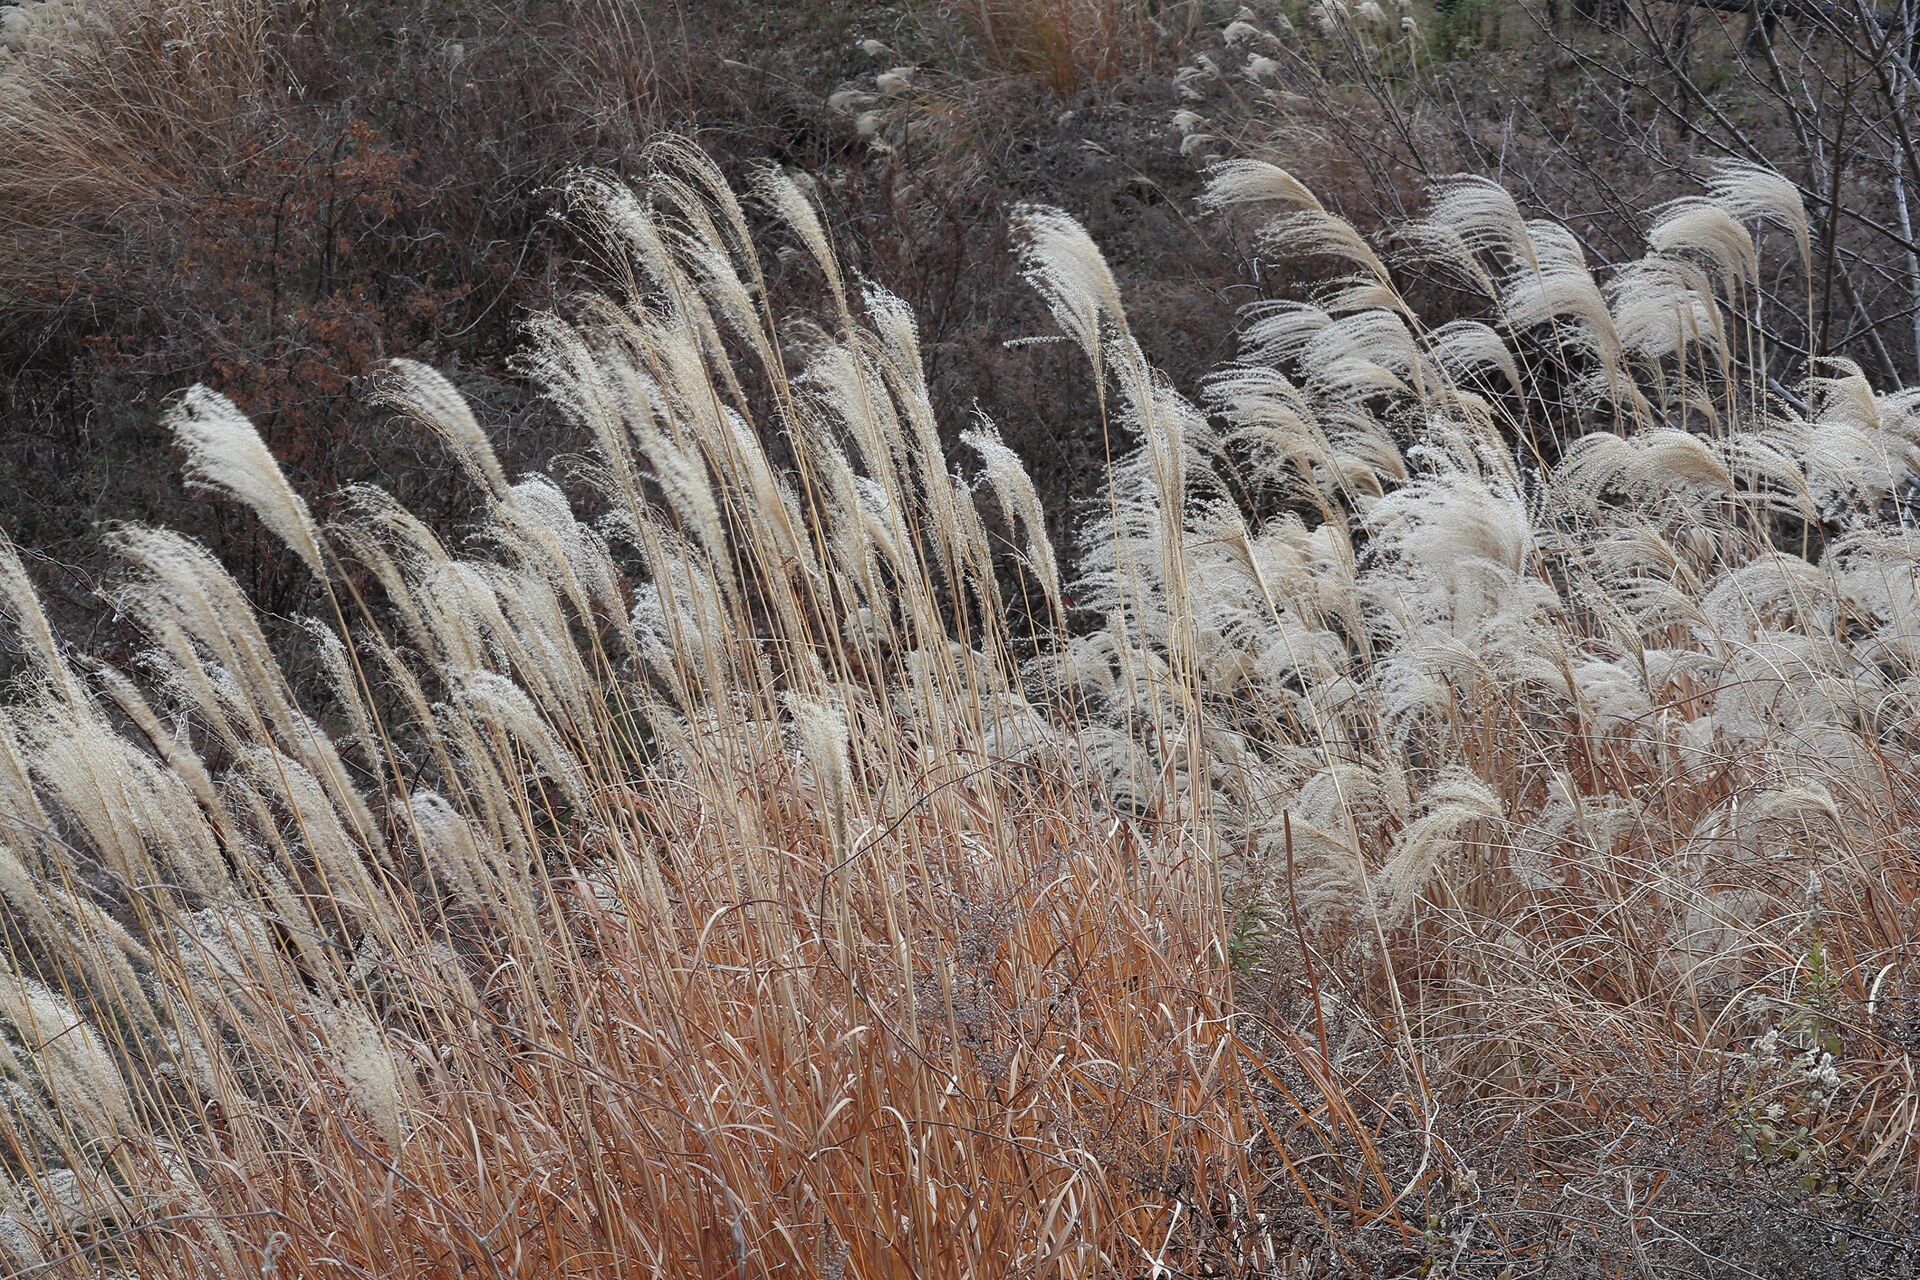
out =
column 690, row 178
column 17, row 795
column 1263, row 70
column 1360, row 293
column 539, row 529
column 1562, row 291
column 1278, row 332
column 540, row 648
column 19, row 1238
column 1662, row 305
column 80, row 767
column 1640, row 467
column 1193, row 142
column 394, row 528
column 452, row 848
column 1188, row 80
column 1274, row 421
column 318, row 829
column 171, row 747
column 1748, row 190
column 384, row 538
column 495, row 700
column 1455, row 802
column 425, row 394
column 68, row 1055
column 1238, row 182
column 1066, row 268
column 1329, row 16
column 337, row 667
column 1697, row 225
column 179, row 582
column 1461, row 347
column 226, row 454
column 683, row 477
column 19, row 600
column 117, row 965
column 586, row 388
column 1668, row 457
column 1796, row 804
column 232, row 964
column 820, row 726
column 1772, row 590
column 366, row 1067
column 1555, row 246
column 1481, row 214
column 1450, row 546
column 610, row 205
column 1018, row 499
column 1317, row 232
column 1363, row 354
column 795, row 206
column 1768, row 464
column 1611, row 694
column 21, row 891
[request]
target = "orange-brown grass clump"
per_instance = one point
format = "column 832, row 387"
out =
column 1071, row 44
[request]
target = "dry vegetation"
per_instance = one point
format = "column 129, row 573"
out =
column 1447, row 809
column 1072, row 43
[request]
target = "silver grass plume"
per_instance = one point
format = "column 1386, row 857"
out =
column 68, row 1056
column 1663, row 306
column 225, row 453
column 423, row 393
column 1748, row 190
column 366, row 1067
column 1066, row 268
column 794, row 203
column 1014, row 488
column 1704, row 227
column 22, row 602
column 1455, row 803
column 1641, row 467
column 1481, row 214
column 820, row 727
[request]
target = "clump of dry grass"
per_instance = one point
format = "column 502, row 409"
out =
column 114, row 113
column 690, row 893
column 1074, row 43
column 1571, row 753
column 1410, row 801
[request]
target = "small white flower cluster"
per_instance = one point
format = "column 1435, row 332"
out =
column 1819, row 1071
column 1814, row 1067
